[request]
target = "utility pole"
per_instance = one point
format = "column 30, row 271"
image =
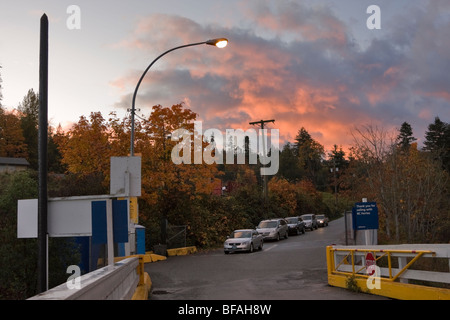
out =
column 261, row 124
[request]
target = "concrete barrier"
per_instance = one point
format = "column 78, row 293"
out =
column 116, row 282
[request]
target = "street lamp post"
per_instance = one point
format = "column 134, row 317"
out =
column 220, row 43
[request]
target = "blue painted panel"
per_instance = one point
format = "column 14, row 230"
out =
column 99, row 232
column 120, row 221
column 140, row 240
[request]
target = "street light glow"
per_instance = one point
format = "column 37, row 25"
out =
column 222, row 44
column 219, row 43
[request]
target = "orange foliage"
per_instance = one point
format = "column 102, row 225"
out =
column 87, row 147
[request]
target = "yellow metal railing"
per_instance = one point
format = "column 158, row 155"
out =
column 345, row 263
column 383, row 253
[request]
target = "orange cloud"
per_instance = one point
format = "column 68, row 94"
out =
column 306, row 74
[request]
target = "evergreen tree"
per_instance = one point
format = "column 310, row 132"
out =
column 29, row 119
column 437, row 141
column 405, row 136
column 289, row 168
column 310, row 154
column 337, row 158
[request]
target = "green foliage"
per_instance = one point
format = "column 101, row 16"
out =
column 351, row 284
column 18, row 257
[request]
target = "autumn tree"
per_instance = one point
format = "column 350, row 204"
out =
column 169, row 187
column 12, row 142
column 284, row 194
column 86, row 148
column 410, row 188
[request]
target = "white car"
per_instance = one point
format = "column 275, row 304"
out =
column 310, row 221
column 243, row 240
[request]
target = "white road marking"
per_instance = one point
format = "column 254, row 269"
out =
column 270, row 248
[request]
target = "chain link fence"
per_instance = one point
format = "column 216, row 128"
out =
column 176, row 236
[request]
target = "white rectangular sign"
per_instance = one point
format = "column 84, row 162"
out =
column 66, row 218
column 125, row 176
column 27, row 218
column 70, row 218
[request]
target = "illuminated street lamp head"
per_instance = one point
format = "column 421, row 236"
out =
column 219, row 43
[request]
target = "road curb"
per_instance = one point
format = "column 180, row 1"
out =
column 142, row 291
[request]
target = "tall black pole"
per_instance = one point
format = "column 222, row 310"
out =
column 42, row 156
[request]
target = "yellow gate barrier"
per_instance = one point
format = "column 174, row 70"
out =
column 362, row 267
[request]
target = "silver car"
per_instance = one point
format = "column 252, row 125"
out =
column 322, row 220
column 310, row 221
column 243, row 240
column 273, row 229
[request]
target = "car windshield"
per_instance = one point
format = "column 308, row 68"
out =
column 292, row 220
column 320, row 217
column 241, row 234
column 306, row 217
column 267, row 224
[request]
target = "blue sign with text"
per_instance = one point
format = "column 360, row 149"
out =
column 365, row 216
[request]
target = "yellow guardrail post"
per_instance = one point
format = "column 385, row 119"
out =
column 330, row 260
column 141, row 270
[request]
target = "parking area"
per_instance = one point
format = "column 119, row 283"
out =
column 289, row 269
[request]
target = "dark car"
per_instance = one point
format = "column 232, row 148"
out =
column 295, row 225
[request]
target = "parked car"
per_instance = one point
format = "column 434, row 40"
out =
column 243, row 240
column 310, row 221
column 295, row 225
column 273, row 229
column 322, row 220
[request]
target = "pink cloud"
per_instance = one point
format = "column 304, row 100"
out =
column 316, row 80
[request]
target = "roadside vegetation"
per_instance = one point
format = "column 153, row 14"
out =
column 410, row 185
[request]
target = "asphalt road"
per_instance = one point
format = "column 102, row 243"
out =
column 291, row 269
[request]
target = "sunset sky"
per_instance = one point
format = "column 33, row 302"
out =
column 311, row 64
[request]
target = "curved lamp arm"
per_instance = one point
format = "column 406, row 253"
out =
column 220, row 43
